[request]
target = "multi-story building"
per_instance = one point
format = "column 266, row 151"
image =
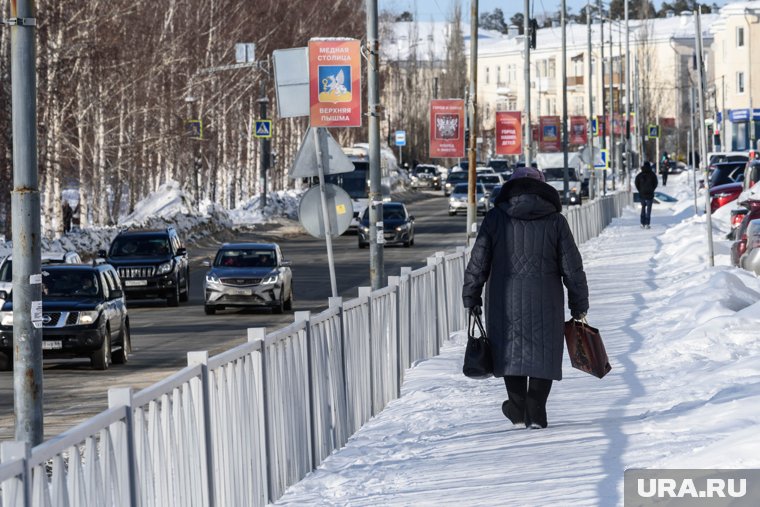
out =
column 735, row 87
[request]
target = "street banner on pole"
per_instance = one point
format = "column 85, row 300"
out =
column 578, row 133
column 447, row 128
column 508, row 133
column 602, row 126
column 335, row 83
column 549, row 138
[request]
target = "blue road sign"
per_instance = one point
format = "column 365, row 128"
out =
column 653, row 131
column 594, row 128
column 401, row 138
column 263, row 129
column 605, row 161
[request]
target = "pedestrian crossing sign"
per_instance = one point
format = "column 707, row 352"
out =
column 263, row 129
column 653, row 131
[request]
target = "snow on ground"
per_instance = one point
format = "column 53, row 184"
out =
column 683, row 391
column 171, row 206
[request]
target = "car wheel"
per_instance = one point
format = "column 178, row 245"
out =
column 362, row 244
column 101, row 359
column 184, row 296
column 289, row 303
column 280, row 306
column 412, row 241
column 210, row 310
column 452, row 213
column 6, row 362
column 173, row 299
column 122, row 356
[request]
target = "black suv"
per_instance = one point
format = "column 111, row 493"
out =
column 152, row 264
column 83, row 315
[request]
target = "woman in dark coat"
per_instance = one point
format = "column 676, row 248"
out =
column 526, row 251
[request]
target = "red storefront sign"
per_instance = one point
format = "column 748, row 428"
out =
column 508, row 133
column 335, row 83
column 549, row 134
column 578, row 132
column 447, row 128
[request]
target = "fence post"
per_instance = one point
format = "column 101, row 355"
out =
column 11, row 451
column 122, row 397
column 366, row 293
column 260, row 334
column 407, row 271
column 337, row 302
column 433, row 261
column 444, row 296
column 201, row 358
column 305, row 316
column 395, row 282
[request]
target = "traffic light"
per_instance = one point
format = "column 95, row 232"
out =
column 533, row 29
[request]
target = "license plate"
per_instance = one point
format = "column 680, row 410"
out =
column 240, row 292
column 135, row 283
column 52, row 345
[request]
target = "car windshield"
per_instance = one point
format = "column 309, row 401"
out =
column 458, row 176
column 140, row 246
column 69, row 283
column 390, row 212
column 245, row 258
column 558, row 173
column 489, row 179
column 725, row 173
column 6, row 271
column 462, row 189
column 424, row 170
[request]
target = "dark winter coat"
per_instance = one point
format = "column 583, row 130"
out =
column 526, row 251
column 646, row 183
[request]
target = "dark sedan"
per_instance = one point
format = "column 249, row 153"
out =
column 398, row 225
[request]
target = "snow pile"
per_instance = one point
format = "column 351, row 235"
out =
column 683, row 392
column 283, row 203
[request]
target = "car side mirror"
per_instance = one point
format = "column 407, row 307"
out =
column 411, row 218
column 182, row 251
column 102, row 253
column 117, row 294
column 207, row 263
column 286, row 264
column 3, row 294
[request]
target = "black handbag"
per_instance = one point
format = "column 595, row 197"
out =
column 478, row 361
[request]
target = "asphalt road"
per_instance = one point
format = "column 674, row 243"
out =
column 162, row 336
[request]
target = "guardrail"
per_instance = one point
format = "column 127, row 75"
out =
column 241, row 427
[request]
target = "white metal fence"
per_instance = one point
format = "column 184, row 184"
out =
column 240, row 427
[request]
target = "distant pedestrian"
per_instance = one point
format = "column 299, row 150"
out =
column 646, row 183
column 68, row 214
column 525, row 250
column 665, row 168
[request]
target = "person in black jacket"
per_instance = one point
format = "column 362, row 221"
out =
column 525, row 250
column 646, row 183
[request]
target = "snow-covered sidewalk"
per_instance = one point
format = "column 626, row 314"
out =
column 684, row 343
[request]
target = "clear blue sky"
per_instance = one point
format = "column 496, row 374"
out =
column 439, row 9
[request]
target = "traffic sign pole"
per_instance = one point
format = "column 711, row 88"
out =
column 320, row 141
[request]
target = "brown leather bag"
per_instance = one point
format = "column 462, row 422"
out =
column 585, row 347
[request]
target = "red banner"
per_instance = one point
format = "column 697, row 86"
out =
column 508, row 133
column 578, row 133
column 447, row 128
column 335, row 83
column 602, row 128
column 549, row 134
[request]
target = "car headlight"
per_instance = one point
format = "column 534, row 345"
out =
column 448, row 185
column 414, row 178
column 86, row 318
column 436, row 179
column 387, row 199
column 402, row 227
column 365, row 228
column 164, row 268
column 482, row 199
column 6, row 319
column 211, row 278
column 271, row 279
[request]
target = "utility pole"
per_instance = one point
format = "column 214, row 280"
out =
column 526, row 70
column 376, row 237
column 264, row 147
column 472, row 210
column 627, row 98
column 703, row 134
column 25, row 208
column 566, row 169
column 602, row 129
column 607, row 120
column 692, row 148
column 592, row 183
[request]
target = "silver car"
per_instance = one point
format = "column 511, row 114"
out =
column 458, row 199
column 248, row 275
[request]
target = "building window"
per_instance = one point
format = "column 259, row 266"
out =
column 499, row 82
column 488, row 75
column 740, row 37
column 578, row 104
column 740, row 82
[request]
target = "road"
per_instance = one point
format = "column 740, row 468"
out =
column 162, row 336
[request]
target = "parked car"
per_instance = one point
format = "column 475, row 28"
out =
column 83, row 315
column 6, row 265
column 750, row 260
column 426, row 176
column 726, row 172
column 458, row 200
column 555, row 176
column 248, row 275
column 730, row 156
column 737, row 215
column 398, row 226
column 453, row 180
column 751, row 174
column 659, row 197
column 500, row 166
column 739, row 246
column 152, row 264
column 724, row 194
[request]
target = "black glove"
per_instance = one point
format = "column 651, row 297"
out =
column 476, row 310
column 578, row 315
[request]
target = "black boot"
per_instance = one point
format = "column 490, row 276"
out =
column 514, row 408
column 535, row 403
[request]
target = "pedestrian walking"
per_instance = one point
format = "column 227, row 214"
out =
column 665, row 168
column 68, row 214
column 525, row 251
column 646, row 183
